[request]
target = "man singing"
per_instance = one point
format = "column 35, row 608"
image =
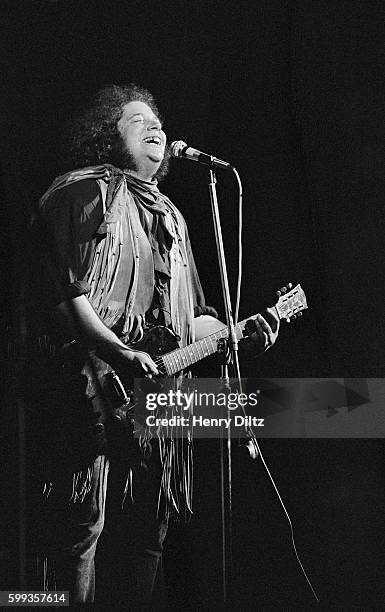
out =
column 115, row 259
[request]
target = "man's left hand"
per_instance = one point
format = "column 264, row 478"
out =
column 263, row 331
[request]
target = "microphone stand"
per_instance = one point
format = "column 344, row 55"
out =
column 226, row 482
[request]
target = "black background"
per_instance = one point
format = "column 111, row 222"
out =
column 293, row 94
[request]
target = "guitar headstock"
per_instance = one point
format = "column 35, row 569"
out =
column 291, row 303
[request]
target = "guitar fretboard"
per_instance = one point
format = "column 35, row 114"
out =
column 185, row 357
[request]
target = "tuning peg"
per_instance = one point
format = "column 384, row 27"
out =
column 294, row 316
column 284, row 289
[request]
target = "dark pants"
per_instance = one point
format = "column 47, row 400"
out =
column 128, row 553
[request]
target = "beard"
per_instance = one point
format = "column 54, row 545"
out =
column 124, row 159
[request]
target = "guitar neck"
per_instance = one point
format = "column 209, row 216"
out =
column 183, row 358
column 287, row 306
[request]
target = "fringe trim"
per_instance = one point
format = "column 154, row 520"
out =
column 45, row 573
column 81, row 485
column 176, row 458
column 128, row 487
column 47, row 488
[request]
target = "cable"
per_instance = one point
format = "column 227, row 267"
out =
column 249, row 430
column 288, row 518
column 240, row 250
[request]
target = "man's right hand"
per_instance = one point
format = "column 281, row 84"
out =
column 85, row 325
column 138, row 361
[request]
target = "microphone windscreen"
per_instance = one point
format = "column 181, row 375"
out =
column 177, row 147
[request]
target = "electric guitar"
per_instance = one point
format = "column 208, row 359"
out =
column 113, row 399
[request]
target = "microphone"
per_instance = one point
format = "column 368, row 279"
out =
column 178, row 148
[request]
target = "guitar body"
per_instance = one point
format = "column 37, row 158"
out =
column 157, row 341
column 103, row 382
column 110, row 397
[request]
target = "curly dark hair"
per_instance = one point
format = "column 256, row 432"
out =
column 93, row 137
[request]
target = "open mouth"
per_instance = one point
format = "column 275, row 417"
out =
column 153, row 140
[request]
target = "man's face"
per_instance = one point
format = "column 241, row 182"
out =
column 143, row 138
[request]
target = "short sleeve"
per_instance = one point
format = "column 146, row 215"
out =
column 66, row 231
